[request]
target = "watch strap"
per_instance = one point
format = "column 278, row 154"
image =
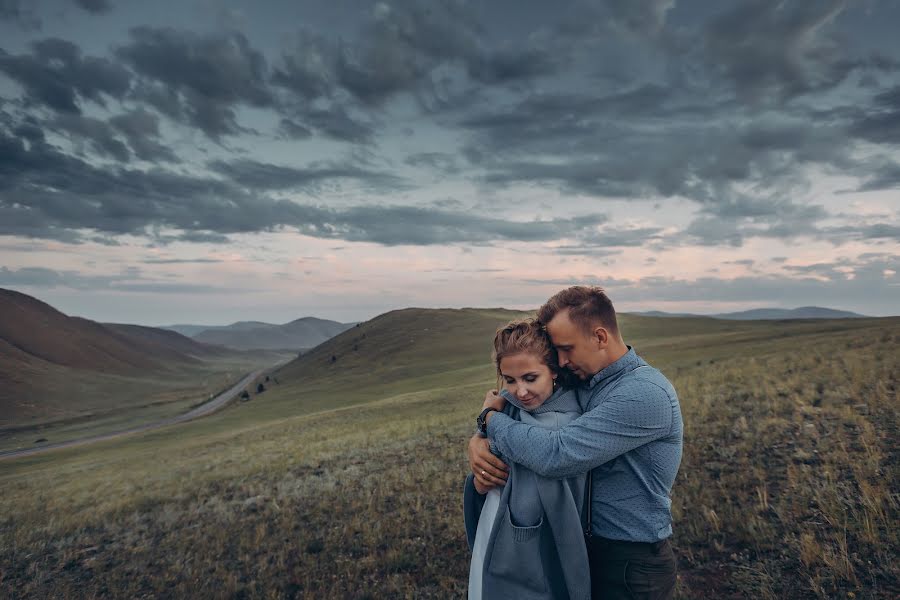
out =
column 481, row 421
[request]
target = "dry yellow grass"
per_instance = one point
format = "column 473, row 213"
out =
column 788, row 486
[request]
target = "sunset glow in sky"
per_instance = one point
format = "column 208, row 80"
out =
column 211, row 161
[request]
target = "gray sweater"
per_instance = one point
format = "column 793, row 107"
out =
column 536, row 549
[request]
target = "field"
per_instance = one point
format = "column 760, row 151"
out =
column 343, row 479
column 92, row 403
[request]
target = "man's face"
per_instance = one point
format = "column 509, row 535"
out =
column 577, row 351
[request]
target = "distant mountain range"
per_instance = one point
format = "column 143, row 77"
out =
column 300, row 334
column 34, row 329
column 47, row 358
column 760, row 314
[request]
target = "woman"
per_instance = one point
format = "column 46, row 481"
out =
column 527, row 537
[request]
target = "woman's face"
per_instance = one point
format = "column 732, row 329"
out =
column 528, row 378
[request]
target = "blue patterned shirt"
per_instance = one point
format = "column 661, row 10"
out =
column 630, row 435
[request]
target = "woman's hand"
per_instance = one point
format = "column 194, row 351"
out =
column 494, row 400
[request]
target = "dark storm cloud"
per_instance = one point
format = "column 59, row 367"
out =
column 195, row 237
column 613, row 236
column 510, row 65
column 643, row 18
column 141, row 128
column 256, row 175
column 709, row 231
column 122, row 136
column 399, row 49
column 826, row 270
column 293, row 131
column 28, row 129
column 773, row 51
column 395, row 225
column 198, row 79
column 718, row 134
column 436, row 161
column 180, row 261
column 716, row 230
column 883, row 177
column 645, row 141
column 741, row 168
column 308, row 69
column 96, row 7
column 104, row 240
column 730, row 107
column 337, row 123
column 56, row 75
column 99, row 135
column 872, row 232
column 21, row 12
column 49, row 194
column 771, row 211
column 130, row 280
column 880, row 124
column 731, row 224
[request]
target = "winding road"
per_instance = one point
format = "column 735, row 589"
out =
column 201, row 411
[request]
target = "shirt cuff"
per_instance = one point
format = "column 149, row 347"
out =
column 497, row 423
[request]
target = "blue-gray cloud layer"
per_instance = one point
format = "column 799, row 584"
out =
column 729, row 107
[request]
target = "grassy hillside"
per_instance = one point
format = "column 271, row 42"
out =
column 398, row 352
column 343, row 479
column 61, row 376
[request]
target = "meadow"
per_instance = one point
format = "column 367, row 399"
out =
column 344, row 478
column 89, row 403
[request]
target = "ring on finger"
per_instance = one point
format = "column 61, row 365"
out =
column 483, row 473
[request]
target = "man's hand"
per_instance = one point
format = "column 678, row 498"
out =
column 489, row 470
column 494, row 400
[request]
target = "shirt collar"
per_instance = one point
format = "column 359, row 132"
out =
column 629, row 360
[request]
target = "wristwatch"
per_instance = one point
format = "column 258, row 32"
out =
column 480, row 421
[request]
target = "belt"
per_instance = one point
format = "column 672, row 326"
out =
column 602, row 543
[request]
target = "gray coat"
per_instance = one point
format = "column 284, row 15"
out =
column 536, row 549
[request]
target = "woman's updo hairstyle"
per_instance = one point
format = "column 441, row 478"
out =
column 527, row 336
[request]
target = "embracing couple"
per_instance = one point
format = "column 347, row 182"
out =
column 573, row 462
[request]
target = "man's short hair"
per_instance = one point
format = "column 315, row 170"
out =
column 588, row 307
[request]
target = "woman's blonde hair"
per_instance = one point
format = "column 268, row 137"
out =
column 526, row 336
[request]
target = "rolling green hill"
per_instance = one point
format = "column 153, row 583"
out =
column 398, row 352
column 343, row 478
column 62, row 377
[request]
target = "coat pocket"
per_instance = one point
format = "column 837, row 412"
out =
column 515, row 561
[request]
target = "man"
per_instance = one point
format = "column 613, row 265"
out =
column 629, row 438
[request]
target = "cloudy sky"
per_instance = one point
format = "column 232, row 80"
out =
column 207, row 161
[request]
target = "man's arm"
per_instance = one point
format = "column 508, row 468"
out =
column 628, row 419
column 489, row 471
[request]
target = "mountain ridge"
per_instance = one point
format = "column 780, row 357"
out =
column 766, row 314
column 299, row 334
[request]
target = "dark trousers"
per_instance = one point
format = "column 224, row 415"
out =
column 631, row 570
